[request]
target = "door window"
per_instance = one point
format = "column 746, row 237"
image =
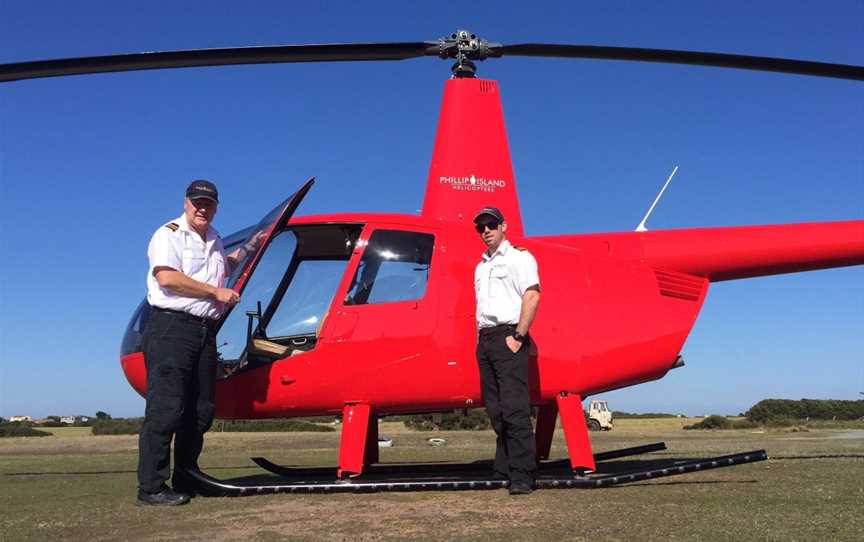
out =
column 394, row 267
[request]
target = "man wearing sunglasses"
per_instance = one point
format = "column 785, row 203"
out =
column 508, row 292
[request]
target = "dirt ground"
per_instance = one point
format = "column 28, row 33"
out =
column 80, row 487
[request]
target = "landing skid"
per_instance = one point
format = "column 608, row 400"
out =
column 414, row 469
column 460, row 476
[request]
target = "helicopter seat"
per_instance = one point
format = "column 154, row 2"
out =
column 269, row 348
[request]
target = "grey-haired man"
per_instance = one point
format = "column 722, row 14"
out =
column 185, row 288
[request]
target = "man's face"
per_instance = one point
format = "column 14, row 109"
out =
column 200, row 212
column 491, row 230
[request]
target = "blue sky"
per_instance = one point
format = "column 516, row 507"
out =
column 91, row 165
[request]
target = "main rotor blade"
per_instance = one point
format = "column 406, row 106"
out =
column 328, row 52
column 721, row 60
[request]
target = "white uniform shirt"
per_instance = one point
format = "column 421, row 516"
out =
column 182, row 249
column 500, row 281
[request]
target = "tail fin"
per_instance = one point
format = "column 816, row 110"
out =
column 471, row 166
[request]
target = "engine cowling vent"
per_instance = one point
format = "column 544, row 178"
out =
column 680, row 285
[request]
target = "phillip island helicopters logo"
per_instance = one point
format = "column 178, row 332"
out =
column 473, row 183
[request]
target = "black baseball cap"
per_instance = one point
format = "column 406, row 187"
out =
column 491, row 211
column 202, row 189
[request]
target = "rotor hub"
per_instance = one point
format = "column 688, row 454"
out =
column 465, row 47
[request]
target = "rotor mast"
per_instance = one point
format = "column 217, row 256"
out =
column 465, row 47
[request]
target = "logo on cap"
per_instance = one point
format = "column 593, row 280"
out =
column 494, row 212
column 202, row 189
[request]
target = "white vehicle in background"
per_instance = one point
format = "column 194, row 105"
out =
column 599, row 416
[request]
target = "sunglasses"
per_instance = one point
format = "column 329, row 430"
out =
column 492, row 225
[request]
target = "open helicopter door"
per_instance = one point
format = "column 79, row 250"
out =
column 262, row 233
column 259, row 237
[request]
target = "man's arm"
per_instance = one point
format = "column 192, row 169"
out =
column 530, row 302
column 179, row 283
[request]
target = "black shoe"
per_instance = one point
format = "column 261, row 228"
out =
column 521, row 488
column 182, row 489
column 166, row 497
column 185, row 485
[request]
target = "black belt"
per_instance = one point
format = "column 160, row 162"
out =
column 186, row 317
column 495, row 330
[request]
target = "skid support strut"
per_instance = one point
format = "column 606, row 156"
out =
column 359, row 443
column 575, row 432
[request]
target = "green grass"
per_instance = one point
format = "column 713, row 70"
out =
column 82, row 488
column 68, row 431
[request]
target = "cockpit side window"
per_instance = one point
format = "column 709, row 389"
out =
column 394, row 267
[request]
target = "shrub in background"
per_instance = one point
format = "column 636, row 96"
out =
column 118, row 426
column 472, row 420
column 18, row 429
column 712, row 422
column 269, row 426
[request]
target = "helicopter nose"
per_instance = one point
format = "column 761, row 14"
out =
column 135, row 371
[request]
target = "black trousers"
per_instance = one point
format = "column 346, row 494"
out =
column 180, row 354
column 504, row 385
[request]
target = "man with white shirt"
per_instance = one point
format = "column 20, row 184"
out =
column 507, row 286
column 185, row 288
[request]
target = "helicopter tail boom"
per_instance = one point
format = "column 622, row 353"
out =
column 728, row 253
column 720, row 254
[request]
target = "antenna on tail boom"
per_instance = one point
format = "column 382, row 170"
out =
column 641, row 226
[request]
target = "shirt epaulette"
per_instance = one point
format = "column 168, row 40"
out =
column 521, row 249
column 172, row 226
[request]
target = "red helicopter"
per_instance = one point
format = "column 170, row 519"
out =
column 367, row 315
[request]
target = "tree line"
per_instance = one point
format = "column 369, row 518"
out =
column 788, row 412
column 768, row 412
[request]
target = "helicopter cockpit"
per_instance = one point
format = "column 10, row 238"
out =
column 284, row 300
column 290, row 282
column 287, row 295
